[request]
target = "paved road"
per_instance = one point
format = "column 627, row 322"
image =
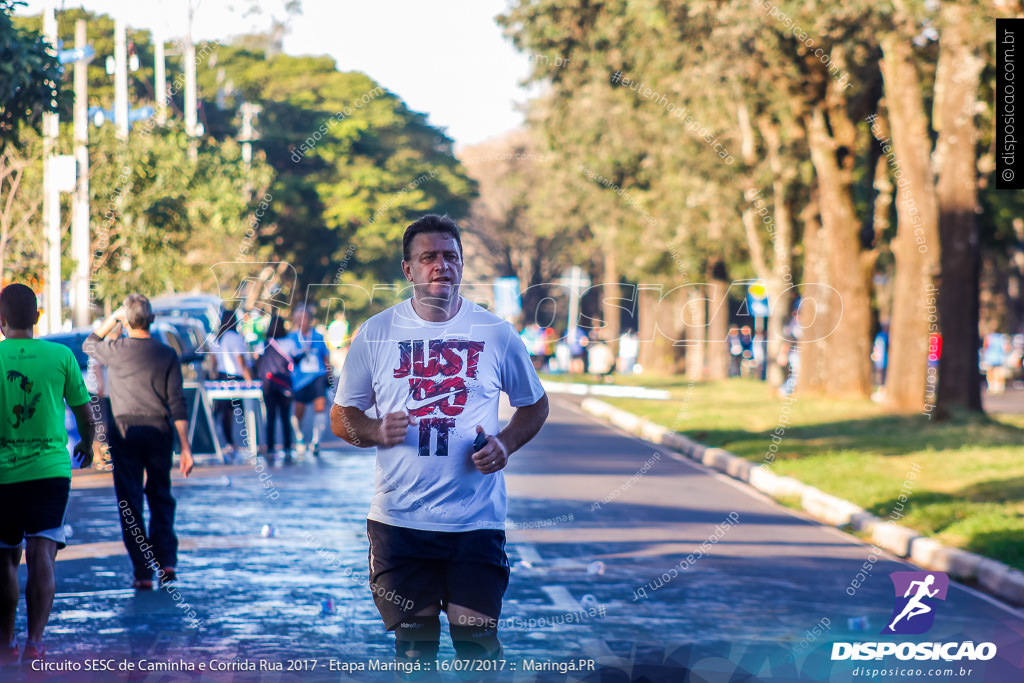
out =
column 602, row 523
column 1010, row 401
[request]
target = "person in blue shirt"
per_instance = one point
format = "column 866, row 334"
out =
column 994, row 352
column 880, row 355
column 578, row 349
column 310, row 374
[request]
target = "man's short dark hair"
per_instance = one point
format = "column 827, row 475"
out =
column 228, row 322
column 19, row 306
column 432, row 222
column 138, row 312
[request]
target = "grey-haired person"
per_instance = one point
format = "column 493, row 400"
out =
column 147, row 401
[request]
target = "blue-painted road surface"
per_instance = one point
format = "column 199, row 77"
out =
column 629, row 564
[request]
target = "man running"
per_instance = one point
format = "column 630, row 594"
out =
column 914, row 606
column 36, row 377
column 433, row 367
column 310, row 373
column 146, row 397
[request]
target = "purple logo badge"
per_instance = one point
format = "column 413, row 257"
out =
column 917, row 594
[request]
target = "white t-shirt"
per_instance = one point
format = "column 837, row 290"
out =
column 448, row 376
column 226, row 349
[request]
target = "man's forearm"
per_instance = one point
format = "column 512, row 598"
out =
column 108, row 325
column 354, row 426
column 85, row 426
column 182, row 428
column 524, row 425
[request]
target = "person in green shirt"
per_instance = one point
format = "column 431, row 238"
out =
column 36, row 377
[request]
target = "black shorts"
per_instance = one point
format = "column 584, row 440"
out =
column 34, row 508
column 411, row 570
column 312, row 391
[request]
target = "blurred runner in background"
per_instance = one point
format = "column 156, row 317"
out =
column 309, row 378
column 230, row 349
column 994, row 352
column 578, row 342
column 274, row 368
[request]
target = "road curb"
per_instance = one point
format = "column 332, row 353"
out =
column 995, row 577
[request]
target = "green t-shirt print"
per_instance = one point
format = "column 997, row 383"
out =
column 36, row 376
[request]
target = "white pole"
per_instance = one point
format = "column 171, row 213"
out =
column 121, row 78
column 160, row 74
column 575, row 278
column 190, row 79
column 51, row 197
column 80, row 312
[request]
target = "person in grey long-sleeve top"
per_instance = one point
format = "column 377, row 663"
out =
column 146, row 398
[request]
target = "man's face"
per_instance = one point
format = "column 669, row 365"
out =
column 435, row 266
column 302, row 320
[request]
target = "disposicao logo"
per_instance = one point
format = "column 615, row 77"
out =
column 917, row 594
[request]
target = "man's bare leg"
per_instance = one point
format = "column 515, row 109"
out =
column 298, row 437
column 417, row 639
column 40, row 555
column 10, row 558
column 474, row 634
column 319, row 423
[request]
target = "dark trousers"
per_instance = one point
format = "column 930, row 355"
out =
column 278, row 404
column 138, row 451
column 226, row 410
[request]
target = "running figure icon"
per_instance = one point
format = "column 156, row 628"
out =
column 915, row 607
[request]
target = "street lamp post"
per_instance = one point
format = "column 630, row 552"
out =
column 160, row 76
column 121, row 78
column 51, row 198
column 80, row 312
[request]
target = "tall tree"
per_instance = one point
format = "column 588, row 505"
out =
column 353, row 166
column 161, row 220
column 956, row 103
column 510, row 231
column 30, row 76
column 20, row 204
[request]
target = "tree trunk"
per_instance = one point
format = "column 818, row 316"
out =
column 611, row 291
column 849, row 305
column 718, row 326
column 813, row 376
column 696, row 331
column 657, row 355
column 956, row 95
column 916, row 246
column 776, row 270
column 881, row 207
column 780, row 280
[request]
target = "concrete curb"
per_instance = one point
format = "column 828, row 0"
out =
column 616, row 390
column 995, row 577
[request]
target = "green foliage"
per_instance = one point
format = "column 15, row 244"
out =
column 30, row 81
column 21, row 241
column 344, row 162
column 630, row 107
column 161, row 221
column 353, row 164
column 100, row 35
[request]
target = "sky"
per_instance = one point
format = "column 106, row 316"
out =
column 445, row 58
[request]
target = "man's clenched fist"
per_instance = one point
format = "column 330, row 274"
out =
column 392, row 428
